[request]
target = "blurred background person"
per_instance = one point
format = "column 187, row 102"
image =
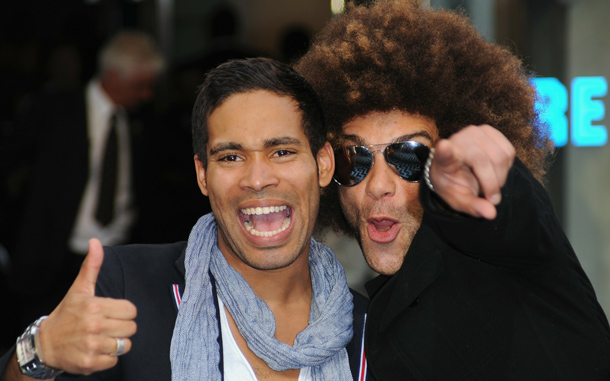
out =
column 77, row 152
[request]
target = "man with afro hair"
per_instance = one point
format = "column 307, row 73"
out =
column 440, row 158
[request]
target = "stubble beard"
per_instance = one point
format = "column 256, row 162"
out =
column 385, row 263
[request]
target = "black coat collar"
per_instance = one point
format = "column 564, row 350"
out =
column 422, row 265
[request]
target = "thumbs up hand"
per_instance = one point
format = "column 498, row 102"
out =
column 80, row 336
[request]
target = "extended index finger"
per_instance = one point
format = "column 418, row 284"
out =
column 496, row 157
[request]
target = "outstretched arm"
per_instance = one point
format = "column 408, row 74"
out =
column 79, row 336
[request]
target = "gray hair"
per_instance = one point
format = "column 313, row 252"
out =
column 129, row 51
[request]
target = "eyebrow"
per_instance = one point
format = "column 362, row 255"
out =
column 284, row 140
column 225, row 147
column 403, row 138
column 273, row 142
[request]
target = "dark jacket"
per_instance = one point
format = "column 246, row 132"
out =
column 146, row 275
column 488, row 300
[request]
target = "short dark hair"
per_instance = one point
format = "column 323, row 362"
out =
column 251, row 74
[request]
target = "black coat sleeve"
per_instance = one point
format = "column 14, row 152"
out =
column 526, row 233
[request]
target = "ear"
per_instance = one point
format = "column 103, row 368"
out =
column 326, row 164
column 201, row 178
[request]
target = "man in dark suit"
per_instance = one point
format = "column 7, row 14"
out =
column 478, row 280
column 77, row 150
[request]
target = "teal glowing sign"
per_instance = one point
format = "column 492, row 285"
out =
column 584, row 110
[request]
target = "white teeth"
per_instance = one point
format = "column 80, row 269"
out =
column 264, row 210
column 251, row 230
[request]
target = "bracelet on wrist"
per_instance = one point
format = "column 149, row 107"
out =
column 427, row 169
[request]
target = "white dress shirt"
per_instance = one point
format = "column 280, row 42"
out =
column 99, row 110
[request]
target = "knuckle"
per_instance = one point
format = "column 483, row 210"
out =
column 93, row 344
column 132, row 310
column 93, row 326
column 87, row 364
column 127, row 345
column 93, row 307
column 478, row 158
column 133, row 327
column 505, row 158
column 500, row 159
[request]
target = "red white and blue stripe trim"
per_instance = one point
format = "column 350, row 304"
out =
column 363, row 365
column 177, row 293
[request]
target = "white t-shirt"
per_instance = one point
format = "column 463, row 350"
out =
column 236, row 366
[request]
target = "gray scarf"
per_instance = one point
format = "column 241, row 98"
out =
column 195, row 352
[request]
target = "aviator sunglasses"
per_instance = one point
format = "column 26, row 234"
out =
column 406, row 159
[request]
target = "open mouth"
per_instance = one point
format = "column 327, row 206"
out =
column 383, row 225
column 266, row 221
column 382, row 230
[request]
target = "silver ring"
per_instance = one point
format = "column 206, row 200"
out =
column 120, row 346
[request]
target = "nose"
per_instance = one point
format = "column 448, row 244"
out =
column 381, row 180
column 258, row 174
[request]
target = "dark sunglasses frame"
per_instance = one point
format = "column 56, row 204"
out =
column 406, row 159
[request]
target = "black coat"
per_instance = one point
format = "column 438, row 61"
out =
column 489, row 300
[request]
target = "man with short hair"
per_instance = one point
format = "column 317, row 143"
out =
column 255, row 296
column 478, row 280
column 79, row 149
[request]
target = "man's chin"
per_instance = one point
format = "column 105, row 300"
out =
column 383, row 262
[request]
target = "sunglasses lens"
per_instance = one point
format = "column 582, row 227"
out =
column 352, row 165
column 407, row 158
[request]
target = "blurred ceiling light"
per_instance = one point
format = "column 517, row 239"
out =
column 337, row 6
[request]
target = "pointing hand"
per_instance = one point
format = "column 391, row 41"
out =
column 470, row 168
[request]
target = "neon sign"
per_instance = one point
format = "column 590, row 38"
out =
column 584, row 110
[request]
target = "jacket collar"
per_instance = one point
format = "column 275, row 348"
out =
column 179, row 263
column 422, row 265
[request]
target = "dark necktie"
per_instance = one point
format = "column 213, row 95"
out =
column 105, row 207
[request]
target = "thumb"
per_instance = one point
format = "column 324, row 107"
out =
column 87, row 277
